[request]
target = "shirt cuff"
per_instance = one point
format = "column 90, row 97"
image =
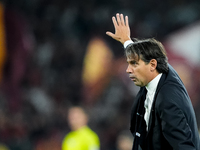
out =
column 126, row 43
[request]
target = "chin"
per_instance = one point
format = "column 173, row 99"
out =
column 137, row 84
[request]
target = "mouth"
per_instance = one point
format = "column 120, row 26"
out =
column 133, row 78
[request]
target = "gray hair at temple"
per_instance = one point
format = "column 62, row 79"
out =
column 147, row 50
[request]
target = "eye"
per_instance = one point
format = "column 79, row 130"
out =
column 133, row 62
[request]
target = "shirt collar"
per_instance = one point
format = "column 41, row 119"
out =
column 152, row 85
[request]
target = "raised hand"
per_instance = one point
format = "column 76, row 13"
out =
column 122, row 29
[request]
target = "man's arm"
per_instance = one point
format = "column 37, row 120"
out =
column 122, row 29
column 172, row 109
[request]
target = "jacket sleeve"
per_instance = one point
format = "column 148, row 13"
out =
column 176, row 112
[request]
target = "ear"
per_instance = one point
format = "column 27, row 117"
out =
column 153, row 64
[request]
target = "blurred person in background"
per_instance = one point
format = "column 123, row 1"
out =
column 162, row 114
column 81, row 137
column 3, row 147
column 124, row 141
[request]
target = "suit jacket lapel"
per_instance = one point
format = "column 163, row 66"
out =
column 161, row 82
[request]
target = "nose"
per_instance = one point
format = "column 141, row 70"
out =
column 128, row 70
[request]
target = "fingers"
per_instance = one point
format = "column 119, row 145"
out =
column 122, row 19
column 119, row 20
column 126, row 19
column 114, row 22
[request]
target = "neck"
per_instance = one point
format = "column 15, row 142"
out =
column 153, row 75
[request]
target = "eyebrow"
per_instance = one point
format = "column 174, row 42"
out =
column 131, row 61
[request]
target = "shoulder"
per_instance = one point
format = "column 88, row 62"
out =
column 83, row 137
column 90, row 134
column 90, row 131
column 171, row 94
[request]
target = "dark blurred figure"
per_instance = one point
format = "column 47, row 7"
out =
column 124, row 141
column 19, row 44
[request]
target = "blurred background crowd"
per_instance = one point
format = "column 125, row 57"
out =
column 55, row 54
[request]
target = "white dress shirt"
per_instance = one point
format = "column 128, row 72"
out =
column 151, row 89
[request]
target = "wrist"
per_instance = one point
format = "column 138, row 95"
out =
column 125, row 39
column 126, row 43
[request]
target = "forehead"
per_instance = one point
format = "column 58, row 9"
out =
column 76, row 110
column 132, row 57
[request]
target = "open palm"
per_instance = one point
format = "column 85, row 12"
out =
column 122, row 29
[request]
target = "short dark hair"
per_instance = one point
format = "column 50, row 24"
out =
column 147, row 50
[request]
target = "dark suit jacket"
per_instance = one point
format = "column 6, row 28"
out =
column 172, row 123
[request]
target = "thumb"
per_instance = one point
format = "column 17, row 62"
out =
column 110, row 34
column 113, row 36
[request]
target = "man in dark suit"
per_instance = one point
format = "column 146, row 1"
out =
column 162, row 114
